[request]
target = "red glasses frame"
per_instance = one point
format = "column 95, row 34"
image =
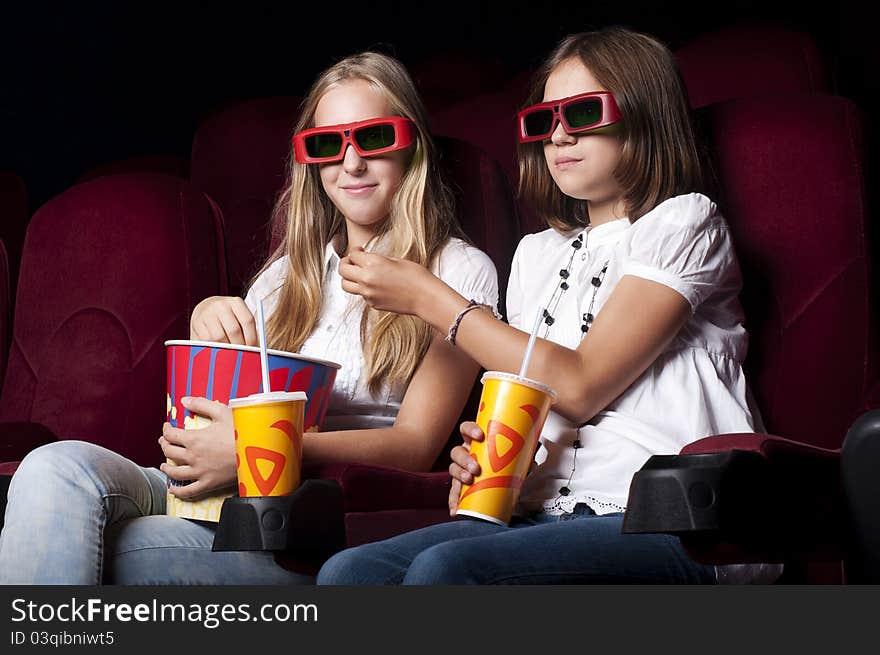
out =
column 610, row 115
column 404, row 135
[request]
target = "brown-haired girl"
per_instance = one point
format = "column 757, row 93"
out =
column 641, row 336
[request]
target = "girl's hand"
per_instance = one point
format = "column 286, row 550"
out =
column 385, row 283
column 206, row 456
column 225, row 319
column 463, row 467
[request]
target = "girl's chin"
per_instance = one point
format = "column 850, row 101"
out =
column 366, row 220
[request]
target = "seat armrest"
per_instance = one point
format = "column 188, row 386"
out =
column 742, row 497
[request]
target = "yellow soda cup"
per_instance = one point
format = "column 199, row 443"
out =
column 511, row 415
column 268, row 442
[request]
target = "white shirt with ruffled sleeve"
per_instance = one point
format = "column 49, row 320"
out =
column 696, row 386
column 336, row 336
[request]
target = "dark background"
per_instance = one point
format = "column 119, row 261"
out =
column 85, row 83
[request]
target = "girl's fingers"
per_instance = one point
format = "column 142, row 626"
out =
column 454, row 493
column 212, row 409
column 351, row 287
column 470, row 431
column 229, row 321
column 188, row 490
column 175, row 436
column 247, row 322
column 462, row 458
column 178, row 454
column 214, row 331
column 349, row 271
column 178, row 473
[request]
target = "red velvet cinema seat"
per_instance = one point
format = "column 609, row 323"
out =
column 446, row 78
column 488, row 120
column 238, row 158
column 5, row 309
column 111, row 269
column 751, row 59
column 792, row 172
column 159, row 163
column 13, row 223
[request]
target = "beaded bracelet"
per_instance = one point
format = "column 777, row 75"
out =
column 453, row 329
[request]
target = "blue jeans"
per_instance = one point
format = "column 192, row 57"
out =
column 575, row 548
column 78, row 513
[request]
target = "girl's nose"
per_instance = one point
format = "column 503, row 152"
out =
column 561, row 137
column 353, row 163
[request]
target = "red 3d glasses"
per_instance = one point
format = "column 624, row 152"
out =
column 376, row 136
column 580, row 113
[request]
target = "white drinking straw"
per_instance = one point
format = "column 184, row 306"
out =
column 264, row 357
column 528, row 354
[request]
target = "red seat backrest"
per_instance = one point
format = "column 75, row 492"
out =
column 13, row 223
column 5, row 310
column 166, row 164
column 449, row 77
column 488, row 120
column 239, row 157
column 751, row 59
column 111, row 269
column 792, row 172
column 484, row 202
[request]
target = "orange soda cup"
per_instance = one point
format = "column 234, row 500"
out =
column 268, row 442
column 512, row 413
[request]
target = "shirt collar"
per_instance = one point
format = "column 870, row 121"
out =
column 331, row 258
column 606, row 232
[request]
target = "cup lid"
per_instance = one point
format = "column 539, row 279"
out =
column 270, row 397
column 513, row 377
column 256, row 349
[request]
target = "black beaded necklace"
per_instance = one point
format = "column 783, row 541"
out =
column 586, row 322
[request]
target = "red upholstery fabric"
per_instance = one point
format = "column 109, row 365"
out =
column 484, row 202
column 366, row 527
column 239, row 157
column 5, row 310
column 745, row 60
column 488, row 120
column 766, row 444
column 13, row 223
column 795, row 201
column 449, row 77
column 381, row 502
column 399, row 489
column 111, row 269
column 166, row 164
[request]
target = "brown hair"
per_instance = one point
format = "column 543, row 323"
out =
column 659, row 154
column 420, row 223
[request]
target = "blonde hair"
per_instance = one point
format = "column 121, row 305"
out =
column 659, row 154
column 420, row 223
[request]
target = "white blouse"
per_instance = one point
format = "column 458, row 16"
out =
column 695, row 388
column 336, row 335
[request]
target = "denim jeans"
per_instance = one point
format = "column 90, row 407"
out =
column 78, row 513
column 575, row 548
